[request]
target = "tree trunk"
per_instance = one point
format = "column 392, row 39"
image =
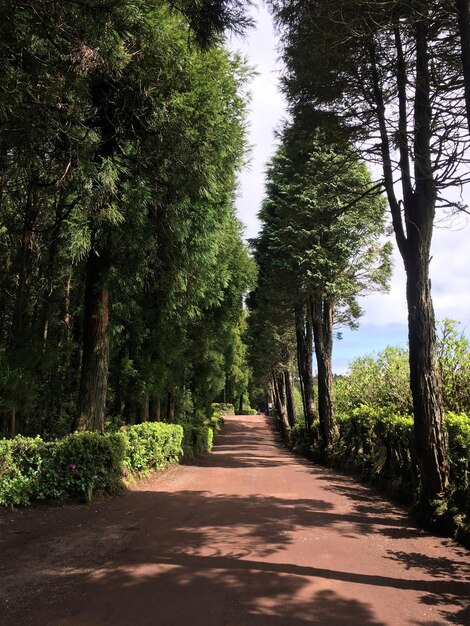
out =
column 280, row 400
column 430, row 440
column 154, row 410
column 170, row 407
column 145, row 409
column 304, row 334
column 91, row 403
column 429, row 435
column 23, row 270
column 322, row 320
column 413, row 221
column 463, row 12
column 290, row 402
column 240, row 404
column 13, row 422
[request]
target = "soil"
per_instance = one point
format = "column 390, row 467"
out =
column 247, row 536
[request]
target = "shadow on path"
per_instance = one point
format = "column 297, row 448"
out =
column 177, row 556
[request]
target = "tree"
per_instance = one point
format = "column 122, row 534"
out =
column 324, row 245
column 463, row 14
column 388, row 70
column 119, row 146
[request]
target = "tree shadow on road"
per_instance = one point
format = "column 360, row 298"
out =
column 177, row 557
column 193, row 557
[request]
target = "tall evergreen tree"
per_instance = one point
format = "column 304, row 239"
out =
column 390, row 71
column 119, row 146
column 322, row 234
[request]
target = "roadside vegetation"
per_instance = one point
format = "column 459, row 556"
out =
column 384, row 83
column 374, row 419
column 84, row 464
column 122, row 131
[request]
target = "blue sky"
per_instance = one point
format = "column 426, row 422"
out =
column 384, row 322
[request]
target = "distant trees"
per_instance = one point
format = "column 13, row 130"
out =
column 123, row 264
column 383, row 381
column 319, row 248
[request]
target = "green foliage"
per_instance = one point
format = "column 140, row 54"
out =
column 458, row 427
column 20, row 464
column 383, row 380
column 197, row 440
column 120, row 139
column 379, row 381
column 377, row 442
column 299, row 413
column 199, row 435
column 454, row 357
column 84, row 464
column 222, row 408
column 320, row 247
column 152, row 445
column 75, row 467
column 303, row 440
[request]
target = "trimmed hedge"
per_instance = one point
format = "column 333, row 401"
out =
column 152, row 445
column 83, row 464
column 458, row 427
column 223, row 408
column 76, row 467
column 197, row 440
column 378, row 443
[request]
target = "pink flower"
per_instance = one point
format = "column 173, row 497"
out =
column 73, row 467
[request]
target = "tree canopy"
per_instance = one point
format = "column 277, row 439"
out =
column 122, row 132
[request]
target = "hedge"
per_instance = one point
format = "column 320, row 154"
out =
column 199, row 438
column 378, row 443
column 223, row 408
column 83, row 464
column 76, row 466
column 152, row 445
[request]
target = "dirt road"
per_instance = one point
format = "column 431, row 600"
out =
column 249, row 536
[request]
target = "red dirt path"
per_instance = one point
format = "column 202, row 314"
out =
column 248, row 536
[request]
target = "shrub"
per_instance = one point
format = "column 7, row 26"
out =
column 216, row 422
column 377, row 443
column 223, row 408
column 303, row 440
column 376, row 381
column 20, row 464
column 83, row 464
column 152, row 445
column 454, row 358
column 197, row 440
column 458, row 427
column 76, row 466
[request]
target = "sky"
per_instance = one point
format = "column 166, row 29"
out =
column 385, row 319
